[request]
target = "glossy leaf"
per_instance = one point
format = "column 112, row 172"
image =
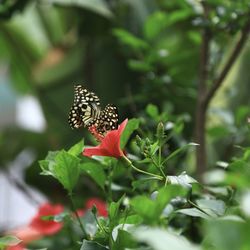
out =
column 159, row 239
column 9, row 240
column 92, row 245
column 66, row 170
column 77, row 148
column 95, row 171
column 131, row 126
column 100, row 7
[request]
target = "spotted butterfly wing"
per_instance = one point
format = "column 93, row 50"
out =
column 108, row 119
column 85, row 109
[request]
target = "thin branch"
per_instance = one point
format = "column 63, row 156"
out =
column 234, row 55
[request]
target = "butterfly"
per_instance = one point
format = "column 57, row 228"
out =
column 86, row 111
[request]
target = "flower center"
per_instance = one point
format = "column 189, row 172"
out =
column 99, row 137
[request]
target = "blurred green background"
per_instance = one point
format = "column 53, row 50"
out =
column 141, row 55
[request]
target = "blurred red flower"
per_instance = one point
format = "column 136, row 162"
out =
column 100, row 205
column 20, row 246
column 110, row 144
column 26, row 234
column 47, row 227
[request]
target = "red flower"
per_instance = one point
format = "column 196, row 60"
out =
column 110, row 144
column 26, row 234
column 100, row 205
column 47, row 227
column 16, row 247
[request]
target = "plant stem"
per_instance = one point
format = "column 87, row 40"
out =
column 158, row 166
column 140, row 170
column 109, row 186
column 99, row 225
column 76, row 214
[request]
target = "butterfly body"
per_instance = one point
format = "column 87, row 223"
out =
column 86, row 111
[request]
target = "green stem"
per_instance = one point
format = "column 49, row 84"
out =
column 76, row 214
column 99, row 225
column 159, row 157
column 109, row 184
column 140, row 170
column 158, row 167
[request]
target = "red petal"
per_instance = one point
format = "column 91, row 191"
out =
column 17, row 247
column 43, row 226
column 100, row 205
column 110, row 145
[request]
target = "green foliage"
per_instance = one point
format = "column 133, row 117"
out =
column 8, row 241
column 156, row 206
column 90, row 245
column 158, row 239
column 151, row 210
column 132, row 125
column 64, row 167
column 95, row 171
column 143, row 56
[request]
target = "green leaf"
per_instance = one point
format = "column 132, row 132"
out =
column 130, row 40
column 219, row 132
column 193, row 212
column 166, row 194
column 183, row 179
column 152, row 111
column 140, row 66
column 113, row 212
column 155, row 24
column 160, row 239
column 228, row 234
column 89, row 224
column 47, row 165
column 95, row 171
column 131, row 126
column 124, row 240
column 92, row 245
column 99, row 7
column 212, row 207
column 66, row 170
column 143, row 183
column 131, row 219
column 144, row 207
column 77, row 148
column 150, row 210
column 159, row 21
column 9, row 240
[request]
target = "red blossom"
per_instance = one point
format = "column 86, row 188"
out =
column 26, row 234
column 16, row 247
column 100, row 205
column 47, row 227
column 110, row 144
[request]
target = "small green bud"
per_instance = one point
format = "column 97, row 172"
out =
column 94, row 210
column 148, row 142
column 138, row 141
column 160, row 131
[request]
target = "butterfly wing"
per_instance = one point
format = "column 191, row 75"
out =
column 85, row 109
column 108, row 119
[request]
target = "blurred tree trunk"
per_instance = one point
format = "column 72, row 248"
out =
column 205, row 93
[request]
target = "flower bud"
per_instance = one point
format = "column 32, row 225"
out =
column 94, row 210
column 138, row 141
column 160, row 131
